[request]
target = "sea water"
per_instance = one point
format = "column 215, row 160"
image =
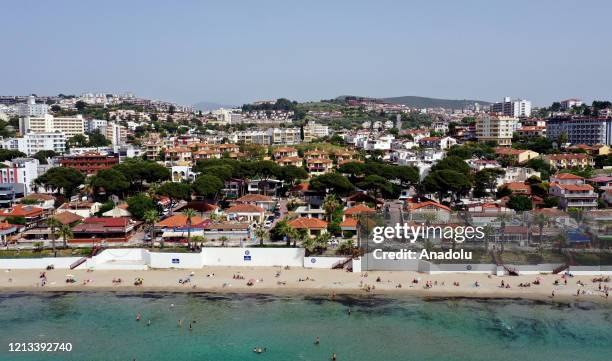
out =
column 103, row 326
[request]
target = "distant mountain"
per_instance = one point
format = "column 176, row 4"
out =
column 423, row 102
column 205, row 106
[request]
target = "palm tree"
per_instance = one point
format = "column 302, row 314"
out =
column 223, row 239
column 66, row 233
column 330, row 205
column 301, row 234
column 541, row 220
column 189, row 213
column 199, row 240
column 54, row 224
column 262, row 234
column 151, row 217
column 502, row 218
column 562, row 242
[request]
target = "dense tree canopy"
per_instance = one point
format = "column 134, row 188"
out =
column 139, row 204
column 10, row 154
column 207, row 186
column 333, row 183
column 61, row 179
column 109, row 181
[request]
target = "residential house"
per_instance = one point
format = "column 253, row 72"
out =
column 318, row 166
column 580, row 196
column 428, row 211
column 437, row 142
column 30, row 214
column 284, row 152
column 313, row 226
column 519, row 156
column 245, row 213
column 259, row 200
column 103, row 230
column 294, row 161
column 570, row 160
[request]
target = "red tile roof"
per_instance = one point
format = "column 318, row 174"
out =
column 359, row 209
column 415, row 206
column 245, row 208
column 20, row 210
column 566, row 176
column 308, row 223
column 254, row 198
column 178, row 220
column 67, row 217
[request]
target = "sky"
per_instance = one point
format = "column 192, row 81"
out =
column 234, row 52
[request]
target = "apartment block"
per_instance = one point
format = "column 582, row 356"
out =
column 48, row 123
column 581, row 130
column 497, row 129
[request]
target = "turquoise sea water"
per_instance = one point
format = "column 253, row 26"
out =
column 102, row 326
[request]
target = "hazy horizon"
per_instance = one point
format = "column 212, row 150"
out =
column 234, row 53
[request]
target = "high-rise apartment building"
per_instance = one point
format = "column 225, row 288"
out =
column 31, row 109
column 497, row 129
column 48, row 123
column 581, row 130
column 512, row 107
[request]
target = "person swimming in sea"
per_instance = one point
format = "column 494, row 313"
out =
column 180, row 323
column 138, row 316
column 317, row 341
column 149, row 323
column 333, row 357
column 348, row 312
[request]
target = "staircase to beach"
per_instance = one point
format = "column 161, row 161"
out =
column 500, row 262
column 94, row 251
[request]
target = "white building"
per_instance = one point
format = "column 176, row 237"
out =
column 93, row 124
column 114, row 132
column 512, row 107
column 20, row 170
column 498, row 129
column 568, row 104
column 48, row 124
column 31, row 108
column 312, row 131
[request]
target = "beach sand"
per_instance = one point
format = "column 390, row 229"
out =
column 314, row 281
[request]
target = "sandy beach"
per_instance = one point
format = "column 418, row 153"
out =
column 310, row 281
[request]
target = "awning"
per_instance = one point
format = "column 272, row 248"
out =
column 170, row 234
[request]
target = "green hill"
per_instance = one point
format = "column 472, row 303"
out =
column 424, row 102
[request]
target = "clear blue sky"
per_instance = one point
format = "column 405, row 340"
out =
column 239, row 51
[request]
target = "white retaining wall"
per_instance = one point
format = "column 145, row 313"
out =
column 37, row 263
column 322, row 262
column 176, row 260
column 590, row 270
column 225, row 256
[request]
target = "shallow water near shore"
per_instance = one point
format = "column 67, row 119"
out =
column 102, row 326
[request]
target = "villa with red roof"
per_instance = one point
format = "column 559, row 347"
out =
column 313, row 226
column 245, row 212
column 31, row 214
column 103, row 229
column 429, row 211
column 581, row 196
